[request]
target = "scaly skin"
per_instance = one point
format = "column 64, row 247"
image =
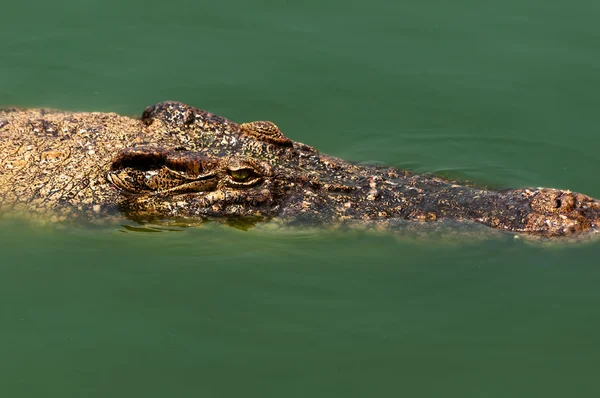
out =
column 178, row 162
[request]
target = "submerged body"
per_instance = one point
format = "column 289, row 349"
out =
column 180, row 162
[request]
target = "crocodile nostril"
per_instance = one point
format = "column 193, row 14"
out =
column 558, row 203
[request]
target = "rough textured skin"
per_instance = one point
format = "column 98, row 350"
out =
column 178, row 162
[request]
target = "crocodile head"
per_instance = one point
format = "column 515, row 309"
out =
column 193, row 164
column 164, row 183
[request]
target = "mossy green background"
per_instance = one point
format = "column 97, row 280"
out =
column 501, row 93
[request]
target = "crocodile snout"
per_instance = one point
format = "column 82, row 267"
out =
column 560, row 213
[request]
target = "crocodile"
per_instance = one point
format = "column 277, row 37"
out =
column 178, row 162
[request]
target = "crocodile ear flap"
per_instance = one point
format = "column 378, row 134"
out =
column 265, row 131
column 139, row 158
column 169, row 112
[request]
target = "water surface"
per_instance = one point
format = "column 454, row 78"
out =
column 504, row 94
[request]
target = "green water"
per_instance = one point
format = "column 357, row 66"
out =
column 502, row 93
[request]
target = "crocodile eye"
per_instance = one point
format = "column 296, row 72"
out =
column 244, row 172
column 241, row 175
